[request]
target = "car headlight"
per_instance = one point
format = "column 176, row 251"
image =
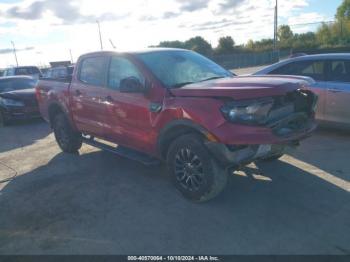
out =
column 10, row 102
column 248, row 112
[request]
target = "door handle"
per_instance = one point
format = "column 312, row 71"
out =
column 109, row 99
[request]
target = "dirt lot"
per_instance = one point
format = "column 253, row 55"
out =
column 98, row 203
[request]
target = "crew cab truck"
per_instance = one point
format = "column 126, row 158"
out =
column 178, row 107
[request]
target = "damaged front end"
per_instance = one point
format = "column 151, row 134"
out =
column 288, row 118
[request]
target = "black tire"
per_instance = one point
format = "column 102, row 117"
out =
column 193, row 170
column 272, row 158
column 68, row 140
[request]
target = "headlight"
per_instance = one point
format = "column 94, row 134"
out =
column 248, row 112
column 10, row 102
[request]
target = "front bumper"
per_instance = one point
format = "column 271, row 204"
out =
column 21, row 113
column 231, row 157
column 241, row 146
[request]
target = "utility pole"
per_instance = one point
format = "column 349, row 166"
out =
column 275, row 39
column 71, row 56
column 14, row 52
column 99, row 32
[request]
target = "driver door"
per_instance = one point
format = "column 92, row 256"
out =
column 128, row 112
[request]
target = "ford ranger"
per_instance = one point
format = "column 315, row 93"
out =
column 178, row 107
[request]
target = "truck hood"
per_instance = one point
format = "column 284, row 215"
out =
column 244, row 87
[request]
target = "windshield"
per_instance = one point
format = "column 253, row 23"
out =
column 177, row 68
column 8, row 85
column 27, row 71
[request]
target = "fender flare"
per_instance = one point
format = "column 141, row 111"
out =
column 174, row 129
column 59, row 107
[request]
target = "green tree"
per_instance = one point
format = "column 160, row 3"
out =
column 172, row 44
column 285, row 36
column 343, row 11
column 324, row 35
column 226, row 45
column 200, row 45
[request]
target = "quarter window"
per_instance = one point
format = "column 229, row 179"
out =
column 93, row 70
column 121, row 68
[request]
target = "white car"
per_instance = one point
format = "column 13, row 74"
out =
column 332, row 75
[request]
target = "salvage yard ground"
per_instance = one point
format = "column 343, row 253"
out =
column 98, row 203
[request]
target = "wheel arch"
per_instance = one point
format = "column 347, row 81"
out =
column 175, row 129
column 53, row 110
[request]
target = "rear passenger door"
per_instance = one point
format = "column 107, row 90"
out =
column 338, row 91
column 88, row 94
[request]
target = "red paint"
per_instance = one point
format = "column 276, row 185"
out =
column 127, row 120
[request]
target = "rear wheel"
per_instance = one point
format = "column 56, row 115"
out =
column 68, row 140
column 193, row 170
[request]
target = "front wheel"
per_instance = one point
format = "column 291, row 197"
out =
column 68, row 140
column 193, row 170
column 272, row 158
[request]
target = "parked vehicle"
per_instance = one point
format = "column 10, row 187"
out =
column 58, row 73
column 332, row 75
column 17, row 99
column 32, row 71
column 177, row 106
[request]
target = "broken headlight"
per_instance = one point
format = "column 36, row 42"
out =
column 249, row 111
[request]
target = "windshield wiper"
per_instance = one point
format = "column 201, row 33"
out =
column 181, row 84
column 213, row 78
column 188, row 83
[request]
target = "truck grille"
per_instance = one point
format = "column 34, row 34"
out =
column 293, row 112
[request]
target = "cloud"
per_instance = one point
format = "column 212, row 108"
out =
column 10, row 50
column 221, row 24
column 230, row 4
column 193, row 5
column 66, row 10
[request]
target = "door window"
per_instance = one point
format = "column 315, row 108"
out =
column 93, row 71
column 121, row 68
column 313, row 69
column 340, row 71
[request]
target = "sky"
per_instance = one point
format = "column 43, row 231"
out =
column 47, row 30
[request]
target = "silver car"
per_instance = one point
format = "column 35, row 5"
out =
column 332, row 75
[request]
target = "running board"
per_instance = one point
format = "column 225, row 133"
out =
column 123, row 152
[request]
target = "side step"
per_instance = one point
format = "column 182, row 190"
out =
column 124, row 152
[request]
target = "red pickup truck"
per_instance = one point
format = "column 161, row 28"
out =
column 179, row 107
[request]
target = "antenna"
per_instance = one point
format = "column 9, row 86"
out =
column 110, row 40
column 14, row 52
column 99, row 32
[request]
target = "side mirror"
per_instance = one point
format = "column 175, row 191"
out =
column 131, row 85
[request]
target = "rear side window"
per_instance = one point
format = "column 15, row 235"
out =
column 121, row 68
column 93, row 70
column 340, row 71
column 313, row 69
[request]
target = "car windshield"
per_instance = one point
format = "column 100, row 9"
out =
column 8, row 85
column 178, row 68
column 27, row 71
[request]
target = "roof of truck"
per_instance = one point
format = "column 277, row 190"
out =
column 141, row 51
